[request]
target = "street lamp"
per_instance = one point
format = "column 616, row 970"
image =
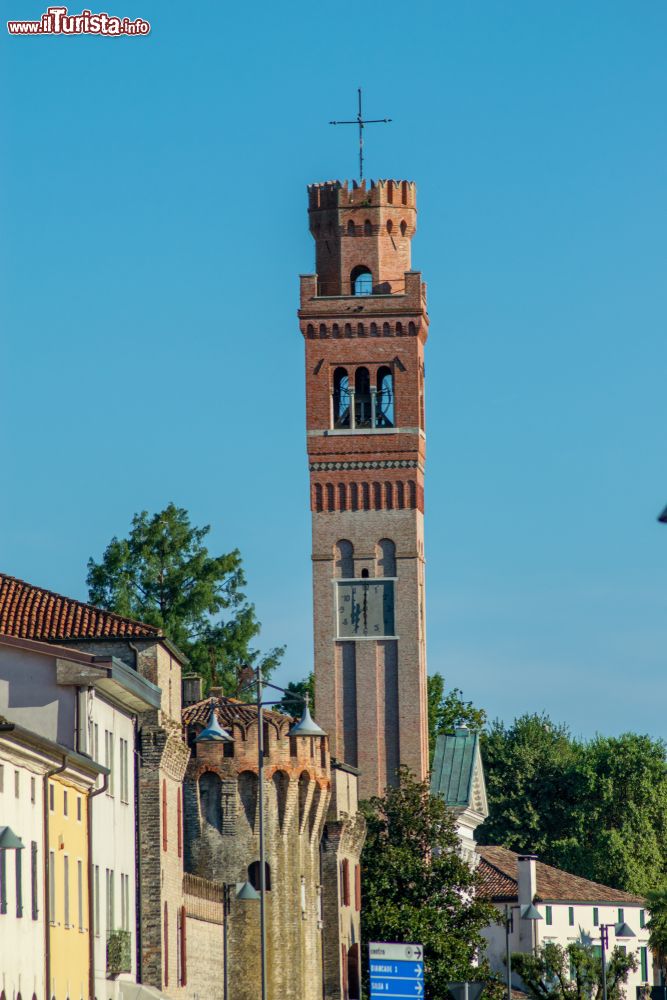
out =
column 306, row 726
column 245, row 892
column 529, row 912
column 621, row 930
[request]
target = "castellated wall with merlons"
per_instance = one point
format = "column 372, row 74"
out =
column 222, row 842
column 369, row 224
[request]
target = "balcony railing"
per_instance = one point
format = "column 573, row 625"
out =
column 119, row 952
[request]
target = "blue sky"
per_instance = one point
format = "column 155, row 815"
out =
column 154, row 225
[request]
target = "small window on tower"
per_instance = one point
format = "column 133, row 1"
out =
column 404, row 228
column 341, row 398
column 351, row 230
column 361, row 281
column 368, row 229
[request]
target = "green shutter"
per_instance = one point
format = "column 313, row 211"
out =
column 570, row 915
column 643, row 954
column 549, row 916
column 596, row 917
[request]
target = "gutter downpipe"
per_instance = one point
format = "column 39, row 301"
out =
column 91, row 902
column 137, row 852
column 47, row 896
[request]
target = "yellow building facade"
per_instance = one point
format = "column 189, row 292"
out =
column 67, row 889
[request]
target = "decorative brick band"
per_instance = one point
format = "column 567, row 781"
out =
column 339, row 496
column 384, row 464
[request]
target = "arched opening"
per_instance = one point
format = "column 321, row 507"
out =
column 331, row 498
column 362, row 398
column 354, row 496
column 384, row 399
column 385, row 557
column 364, row 574
column 317, row 498
column 353, row 976
column 361, row 280
column 377, row 496
column 404, row 227
column 341, row 398
column 365, row 496
column 323, row 331
column 310, row 331
column 368, row 229
column 210, row 799
column 281, row 785
column 400, row 495
column 254, row 872
column 314, row 809
column 248, row 795
column 351, row 228
column 304, row 786
column 344, row 559
column 342, row 496
column 390, row 226
column 389, row 496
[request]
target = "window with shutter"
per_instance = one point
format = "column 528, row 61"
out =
column 357, row 887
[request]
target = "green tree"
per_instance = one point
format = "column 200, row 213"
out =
column 534, row 783
column 572, row 973
column 624, row 808
column 417, row 887
column 657, row 925
column 164, row 575
column 597, row 809
column 292, row 701
column 446, row 711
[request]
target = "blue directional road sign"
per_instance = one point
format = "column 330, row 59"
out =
column 396, row 970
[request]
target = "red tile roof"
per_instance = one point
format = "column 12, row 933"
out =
column 498, row 874
column 228, row 711
column 29, row 612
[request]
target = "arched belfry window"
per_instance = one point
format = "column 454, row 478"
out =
column 384, row 399
column 351, row 230
column 368, row 229
column 362, row 398
column 361, row 280
column 404, row 227
column 341, row 398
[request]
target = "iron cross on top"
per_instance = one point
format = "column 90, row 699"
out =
column 361, row 122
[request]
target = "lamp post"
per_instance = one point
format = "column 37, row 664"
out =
column 621, row 930
column 529, row 912
column 244, row 891
column 306, row 726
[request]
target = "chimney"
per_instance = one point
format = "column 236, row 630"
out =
column 527, row 878
column 191, row 689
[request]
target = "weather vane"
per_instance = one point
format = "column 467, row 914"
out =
column 361, row 122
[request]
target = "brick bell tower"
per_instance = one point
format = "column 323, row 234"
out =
column 364, row 320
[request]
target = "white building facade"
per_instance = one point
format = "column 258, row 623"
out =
column 90, row 705
column 572, row 910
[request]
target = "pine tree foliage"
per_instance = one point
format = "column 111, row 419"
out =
column 164, row 575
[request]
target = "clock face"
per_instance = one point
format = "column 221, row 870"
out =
column 365, row 608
